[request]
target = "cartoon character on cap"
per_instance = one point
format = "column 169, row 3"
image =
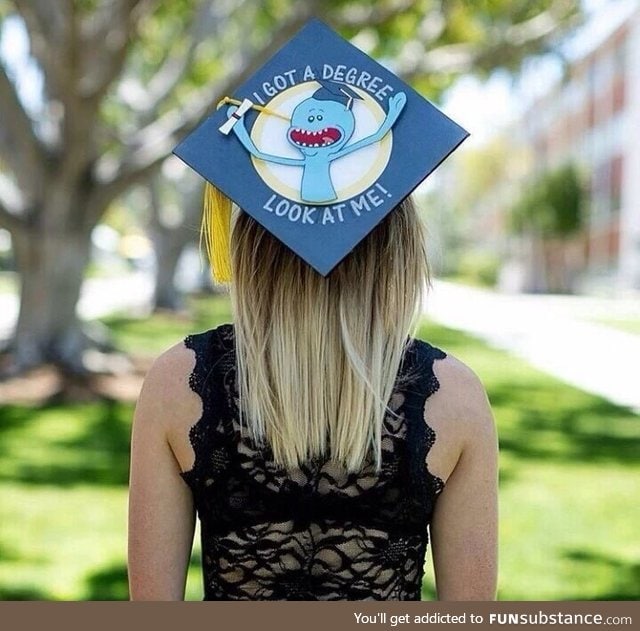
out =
column 321, row 127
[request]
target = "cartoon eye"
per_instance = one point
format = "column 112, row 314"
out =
column 319, row 117
column 311, row 119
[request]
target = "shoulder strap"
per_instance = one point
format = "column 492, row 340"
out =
column 419, row 383
column 210, row 347
column 213, row 357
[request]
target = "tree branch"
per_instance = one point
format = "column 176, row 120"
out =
column 47, row 23
column 371, row 14
column 19, row 145
column 153, row 143
column 11, row 206
column 415, row 61
column 112, row 24
column 189, row 190
column 145, row 100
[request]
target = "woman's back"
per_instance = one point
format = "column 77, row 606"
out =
column 323, row 309
column 309, row 362
column 317, row 533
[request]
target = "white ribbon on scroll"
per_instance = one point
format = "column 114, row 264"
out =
column 244, row 107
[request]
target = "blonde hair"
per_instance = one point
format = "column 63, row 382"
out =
column 317, row 357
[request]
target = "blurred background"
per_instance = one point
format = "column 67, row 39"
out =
column 534, row 234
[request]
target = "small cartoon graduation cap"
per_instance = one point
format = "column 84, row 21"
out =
column 318, row 146
column 335, row 91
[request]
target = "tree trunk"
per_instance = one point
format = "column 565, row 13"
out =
column 169, row 239
column 51, row 266
column 168, row 246
column 538, row 280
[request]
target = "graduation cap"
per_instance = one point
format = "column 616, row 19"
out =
column 318, row 146
column 335, row 91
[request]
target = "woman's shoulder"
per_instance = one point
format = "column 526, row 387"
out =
column 458, row 411
column 456, row 381
column 455, row 374
column 166, row 398
column 169, row 380
column 181, row 358
column 170, row 400
column 460, row 404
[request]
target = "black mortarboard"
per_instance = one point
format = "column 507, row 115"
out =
column 334, row 91
column 318, row 146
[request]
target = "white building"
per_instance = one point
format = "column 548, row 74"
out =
column 593, row 117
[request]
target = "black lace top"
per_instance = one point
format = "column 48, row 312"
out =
column 317, row 533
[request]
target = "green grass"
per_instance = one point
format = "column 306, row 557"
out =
column 631, row 325
column 152, row 336
column 570, row 481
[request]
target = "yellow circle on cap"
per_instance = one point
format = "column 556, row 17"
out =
column 358, row 170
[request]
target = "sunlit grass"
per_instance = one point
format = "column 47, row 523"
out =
column 628, row 325
column 153, row 335
column 570, row 480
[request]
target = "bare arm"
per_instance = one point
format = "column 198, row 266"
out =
column 161, row 512
column 464, row 530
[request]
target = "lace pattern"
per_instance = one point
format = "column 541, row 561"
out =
column 318, row 532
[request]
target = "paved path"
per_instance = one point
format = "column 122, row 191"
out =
column 552, row 333
column 99, row 296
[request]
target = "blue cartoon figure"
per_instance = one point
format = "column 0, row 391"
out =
column 320, row 129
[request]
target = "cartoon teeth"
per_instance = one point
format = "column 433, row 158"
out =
column 314, row 138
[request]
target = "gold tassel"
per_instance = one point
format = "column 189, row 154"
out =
column 215, row 231
column 261, row 108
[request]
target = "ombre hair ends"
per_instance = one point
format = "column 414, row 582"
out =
column 318, row 357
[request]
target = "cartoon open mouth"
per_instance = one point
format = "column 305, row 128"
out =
column 321, row 138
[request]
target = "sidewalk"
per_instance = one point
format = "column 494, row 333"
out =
column 550, row 332
column 99, row 296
